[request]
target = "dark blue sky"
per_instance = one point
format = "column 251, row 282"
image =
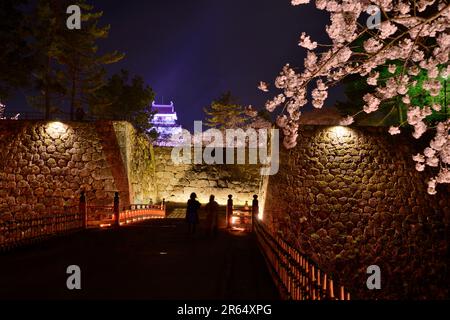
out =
column 192, row 51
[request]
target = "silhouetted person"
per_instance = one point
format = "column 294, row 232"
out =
column 79, row 114
column 229, row 209
column 116, row 209
column 212, row 209
column 192, row 212
column 255, row 210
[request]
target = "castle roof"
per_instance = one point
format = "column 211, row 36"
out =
column 163, row 108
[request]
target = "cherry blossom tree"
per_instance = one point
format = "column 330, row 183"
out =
column 2, row 113
column 413, row 34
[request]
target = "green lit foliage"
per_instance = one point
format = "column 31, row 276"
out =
column 420, row 97
column 391, row 111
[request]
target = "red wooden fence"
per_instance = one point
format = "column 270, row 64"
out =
column 297, row 276
column 18, row 232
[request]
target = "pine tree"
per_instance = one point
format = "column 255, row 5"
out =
column 226, row 113
column 123, row 98
column 47, row 25
column 69, row 68
column 16, row 59
column 83, row 66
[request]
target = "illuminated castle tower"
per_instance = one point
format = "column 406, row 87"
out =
column 165, row 123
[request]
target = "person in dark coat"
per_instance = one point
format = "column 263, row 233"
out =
column 212, row 209
column 192, row 212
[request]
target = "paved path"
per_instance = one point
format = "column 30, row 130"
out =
column 150, row 260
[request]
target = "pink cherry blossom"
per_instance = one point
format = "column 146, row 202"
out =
column 2, row 112
column 419, row 158
column 387, row 28
column 414, row 34
column 392, row 68
column 297, row 2
column 394, row 130
column 348, row 120
column 263, row 86
column 372, row 103
column 443, row 176
column 436, row 107
column 431, row 186
column 420, row 167
column 306, row 42
column 372, row 79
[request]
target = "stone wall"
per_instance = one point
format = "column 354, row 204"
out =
column 175, row 182
column 45, row 165
column 152, row 175
column 350, row 198
column 347, row 197
column 139, row 162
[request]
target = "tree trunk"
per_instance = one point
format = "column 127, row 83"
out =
column 400, row 111
column 47, row 91
column 72, row 97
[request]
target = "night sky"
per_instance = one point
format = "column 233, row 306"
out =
column 190, row 52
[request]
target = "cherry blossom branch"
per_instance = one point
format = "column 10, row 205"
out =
column 403, row 36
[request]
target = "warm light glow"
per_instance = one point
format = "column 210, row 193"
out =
column 340, row 131
column 57, row 126
column 105, row 225
column 234, row 220
column 55, row 129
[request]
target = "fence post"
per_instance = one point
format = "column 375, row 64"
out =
column 255, row 210
column 331, row 289
column 83, row 209
column 229, row 212
column 116, row 210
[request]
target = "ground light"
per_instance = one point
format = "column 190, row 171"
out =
column 56, row 128
column 340, row 131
